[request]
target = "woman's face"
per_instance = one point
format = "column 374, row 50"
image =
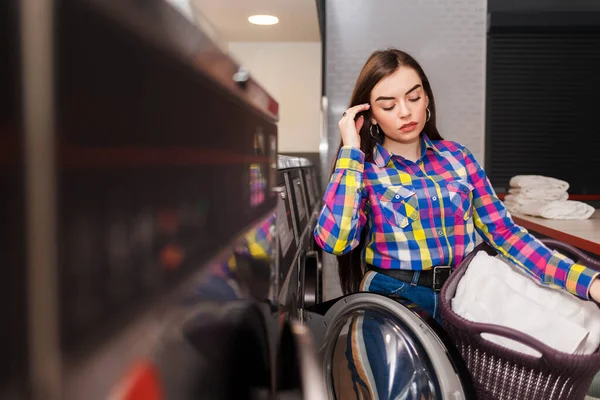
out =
column 399, row 105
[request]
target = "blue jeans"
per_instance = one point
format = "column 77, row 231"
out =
column 422, row 296
column 375, row 372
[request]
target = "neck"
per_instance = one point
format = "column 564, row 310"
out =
column 410, row 151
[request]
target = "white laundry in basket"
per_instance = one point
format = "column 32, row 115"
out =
column 493, row 291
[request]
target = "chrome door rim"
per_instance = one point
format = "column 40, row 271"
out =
column 450, row 383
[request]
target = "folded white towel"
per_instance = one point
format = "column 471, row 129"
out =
column 564, row 210
column 520, row 181
column 533, row 208
column 567, row 209
column 512, row 208
column 514, row 203
column 494, row 291
column 540, row 193
column 521, row 200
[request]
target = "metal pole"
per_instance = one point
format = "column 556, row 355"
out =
column 36, row 28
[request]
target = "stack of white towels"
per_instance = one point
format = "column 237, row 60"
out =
column 495, row 292
column 542, row 196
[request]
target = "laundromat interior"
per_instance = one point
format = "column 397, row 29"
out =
column 184, row 183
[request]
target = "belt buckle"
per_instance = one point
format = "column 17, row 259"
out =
column 438, row 283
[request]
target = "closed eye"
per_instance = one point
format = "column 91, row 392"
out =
column 415, row 99
column 389, row 108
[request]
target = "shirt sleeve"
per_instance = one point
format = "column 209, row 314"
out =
column 342, row 217
column 495, row 225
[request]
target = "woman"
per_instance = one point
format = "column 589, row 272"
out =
column 406, row 202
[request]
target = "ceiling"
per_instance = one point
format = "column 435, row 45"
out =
column 298, row 21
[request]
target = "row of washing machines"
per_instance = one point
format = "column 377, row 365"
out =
column 367, row 346
column 299, row 259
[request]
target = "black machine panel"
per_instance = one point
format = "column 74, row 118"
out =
column 13, row 338
column 316, row 186
column 289, row 296
column 154, row 173
column 311, row 195
column 286, row 232
column 295, row 185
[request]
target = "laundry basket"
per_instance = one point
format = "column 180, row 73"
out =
column 499, row 373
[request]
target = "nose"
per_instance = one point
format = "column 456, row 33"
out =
column 403, row 110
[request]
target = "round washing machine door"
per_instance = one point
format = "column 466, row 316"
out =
column 375, row 347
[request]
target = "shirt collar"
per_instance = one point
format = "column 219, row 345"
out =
column 428, row 143
column 381, row 156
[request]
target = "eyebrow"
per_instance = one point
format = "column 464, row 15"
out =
column 392, row 98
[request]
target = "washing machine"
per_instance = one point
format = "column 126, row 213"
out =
column 311, row 272
column 373, row 346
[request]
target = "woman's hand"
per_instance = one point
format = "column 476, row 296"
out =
column 595, row 290
column 349, row 128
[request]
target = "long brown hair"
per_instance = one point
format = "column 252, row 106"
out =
column 380, row 64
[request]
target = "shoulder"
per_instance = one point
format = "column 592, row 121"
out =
column 450, row 146
column 455, row 153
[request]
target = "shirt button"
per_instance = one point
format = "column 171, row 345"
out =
column 397, row 196
column 440, row 233
column 434, row 198
column 465, row 190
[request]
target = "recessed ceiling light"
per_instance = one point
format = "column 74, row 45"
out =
column 263, row 20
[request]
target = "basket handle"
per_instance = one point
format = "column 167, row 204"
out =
column 547, row 352
column 573, row 252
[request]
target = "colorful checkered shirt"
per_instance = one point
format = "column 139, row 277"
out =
column 425, row 213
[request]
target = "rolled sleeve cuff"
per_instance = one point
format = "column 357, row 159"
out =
column 351, row 158
column 580, row 279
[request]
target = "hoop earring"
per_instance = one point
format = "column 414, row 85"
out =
column 428, row 115
column 371, row 131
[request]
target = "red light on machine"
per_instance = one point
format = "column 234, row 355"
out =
column 171, row 256
column 142, row 382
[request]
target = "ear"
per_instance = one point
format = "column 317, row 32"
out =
column 373, row 122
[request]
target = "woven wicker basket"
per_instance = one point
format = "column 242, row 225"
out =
column 499, row 373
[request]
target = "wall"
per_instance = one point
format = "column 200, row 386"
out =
column 448, row 38
column 291, row 73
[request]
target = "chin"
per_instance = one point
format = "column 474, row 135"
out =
column 409, row 137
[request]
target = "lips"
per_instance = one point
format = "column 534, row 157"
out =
column 408, row 127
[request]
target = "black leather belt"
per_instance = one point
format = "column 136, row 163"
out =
column 432, row 278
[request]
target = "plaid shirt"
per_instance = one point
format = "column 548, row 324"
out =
column 425, row 213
